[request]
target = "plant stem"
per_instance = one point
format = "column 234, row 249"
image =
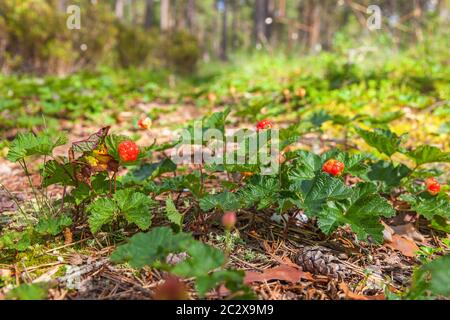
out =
column 13, row 197
column 27, row 173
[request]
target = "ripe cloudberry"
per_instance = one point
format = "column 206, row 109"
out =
column 229, row 220
column 264, row 124
column 433, row 186
column 145, row 123
column 333, row 167
column 128, row 151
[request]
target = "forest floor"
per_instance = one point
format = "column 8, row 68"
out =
column 294, row 262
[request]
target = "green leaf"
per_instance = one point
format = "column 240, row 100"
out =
column 304, row 166
column 430, row 206
column 53, row 225
column 385, row 141
column 428, row 154
column 172, row 213
column 16, row 240
column 321, row 189
column 233, row 280
column 204, row 262
column 261, row 191
column 319, row 117
column 432, row 280
column 151, row 171
column 441, row 224
column 225, row 201
column 34, row 291
column 216, row 120
column 102, row 211
column 81, row 193
column 363, row 213
column 56, row 173
column 144, row 249
column 28, row 144
column 135, row 206
column 387, row 173
column 202, row 259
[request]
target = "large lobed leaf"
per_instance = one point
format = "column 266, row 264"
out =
column 318, row 191
column 432, row 280
column 429, row 206
column 204, row 262
column 28, row 144
column 428, row 154
column 383, row 140
column 134, row 206
column 362, row 213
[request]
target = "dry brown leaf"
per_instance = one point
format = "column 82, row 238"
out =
column 409, row 231
column 403, row 244
column 282, row 272
column 354, row 296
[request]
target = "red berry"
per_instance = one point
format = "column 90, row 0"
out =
column 333, row 167
column 145, row 123
column 128, row 151
column 433, row 186
column 229, row 220
column 264, row 124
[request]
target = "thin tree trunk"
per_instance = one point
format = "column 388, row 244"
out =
column 314, row 35
column 165, row 15
column 62, row 5
column 119, row 8
column 234, row 23
column 148, row 20
column 223, row 42
column 190, row 15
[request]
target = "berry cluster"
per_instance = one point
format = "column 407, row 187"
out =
column 145, row 123
column 433, row 186
column 128, row 151
column 264, row 124
column 333, row 167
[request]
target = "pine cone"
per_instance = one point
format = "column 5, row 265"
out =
column 320, row 260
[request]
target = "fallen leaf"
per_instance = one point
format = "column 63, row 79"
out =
column 282, row 272
column 350, row 295
column 409, row 231
column 403, row 244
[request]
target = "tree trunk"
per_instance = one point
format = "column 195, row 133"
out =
column 119, row 8
column 62, row 5
column 190, row 15
column 223, row 42
column 234, row 23
column 165, row 15
column 314, row 35
column 148, row 20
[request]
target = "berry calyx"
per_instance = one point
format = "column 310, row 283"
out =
column 333, row 167
column 433, row 186
column 128, row 151
column 264, row 124
column 145, row 123
column 229, row 220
